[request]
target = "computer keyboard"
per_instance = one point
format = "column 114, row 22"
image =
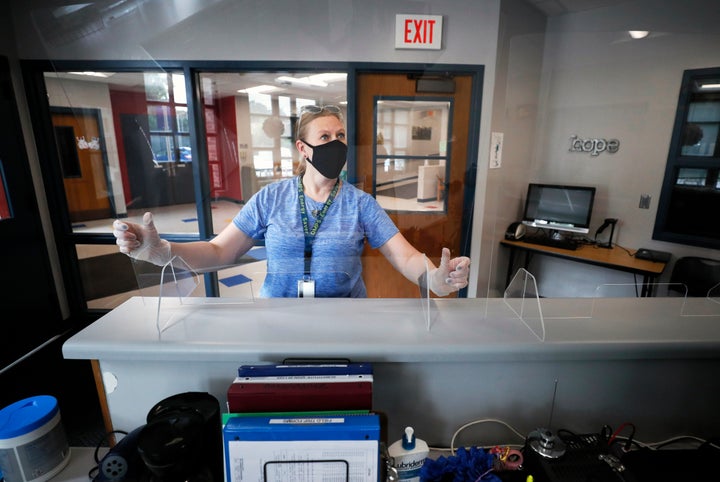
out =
column 564, row 243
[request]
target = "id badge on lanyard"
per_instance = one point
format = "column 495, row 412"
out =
column 306, row 287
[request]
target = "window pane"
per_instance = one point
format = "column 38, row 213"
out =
column 156, row 87
column 162, row 148
column 260, row 103
column 181, row 114
column 284, row 107
column 159, row 118
column 130, row 169
column 178, row 81
column 691, row 177
column 412, row 178
column 249, row 121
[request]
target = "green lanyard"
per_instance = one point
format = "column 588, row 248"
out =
column 310, row 233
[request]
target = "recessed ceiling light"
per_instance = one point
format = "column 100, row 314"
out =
column 638, row 34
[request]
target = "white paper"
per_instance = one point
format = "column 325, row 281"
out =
column 303, row 460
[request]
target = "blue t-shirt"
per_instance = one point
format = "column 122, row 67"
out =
column 273, row 215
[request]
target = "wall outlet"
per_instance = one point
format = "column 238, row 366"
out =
column 645, row 201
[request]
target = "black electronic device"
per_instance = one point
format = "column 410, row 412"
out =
column 515, row 231
column 653, row 255
column 571, row 458
column 122, row 462
column 181, row 441
column 561, row 242
column 560, row 208
column 608, row 222
column 672, row 465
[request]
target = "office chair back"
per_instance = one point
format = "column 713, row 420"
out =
column 700, row 275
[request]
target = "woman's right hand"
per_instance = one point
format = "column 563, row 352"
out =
column 142, row 241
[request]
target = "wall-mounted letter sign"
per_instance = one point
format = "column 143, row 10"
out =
column 594, row 146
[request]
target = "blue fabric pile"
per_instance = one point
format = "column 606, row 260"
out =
column 474, row 465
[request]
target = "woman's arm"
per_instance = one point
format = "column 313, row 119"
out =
column 142, row 241
column 452, row 275
column 221, row 251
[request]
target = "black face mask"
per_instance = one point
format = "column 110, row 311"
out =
column 329, row 158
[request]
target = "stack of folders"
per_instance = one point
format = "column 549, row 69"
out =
column 295, row 388
column 301, row 423
column 295, row 448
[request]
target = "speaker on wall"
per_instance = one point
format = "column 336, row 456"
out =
column 515, row 231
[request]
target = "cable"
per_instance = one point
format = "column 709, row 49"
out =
column 475, row 422
column 628, row 444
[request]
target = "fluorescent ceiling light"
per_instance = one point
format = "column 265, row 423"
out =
column 315, row 80
column 92, row 74
column 638, row 34
column 713, row 86
column 285, row 79
column 329, row 77
column 259, row 89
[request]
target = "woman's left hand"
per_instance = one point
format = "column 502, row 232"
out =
column 451, row 275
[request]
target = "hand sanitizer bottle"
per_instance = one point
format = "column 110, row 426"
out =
column 409, row 454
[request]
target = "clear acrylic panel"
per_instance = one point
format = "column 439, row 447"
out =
column 521, row 296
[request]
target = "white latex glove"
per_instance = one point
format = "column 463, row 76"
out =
column 142, row 241
column 451, row 275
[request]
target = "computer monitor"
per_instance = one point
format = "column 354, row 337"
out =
column 561, row 208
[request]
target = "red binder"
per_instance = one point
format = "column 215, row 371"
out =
column 301, row 393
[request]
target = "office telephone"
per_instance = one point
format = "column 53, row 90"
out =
column 181, row 441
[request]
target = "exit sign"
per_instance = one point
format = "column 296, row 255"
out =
column 418, row 31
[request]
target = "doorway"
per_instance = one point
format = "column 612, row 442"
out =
column 429, row 230
column 83, row 160
column 162, row 178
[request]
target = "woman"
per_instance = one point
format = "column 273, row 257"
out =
column 314, row 227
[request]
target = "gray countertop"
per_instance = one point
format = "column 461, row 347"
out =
column 402, row 330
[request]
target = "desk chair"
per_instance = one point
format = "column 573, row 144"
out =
column 700, row 275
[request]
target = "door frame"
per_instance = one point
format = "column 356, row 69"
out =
column 476, row 73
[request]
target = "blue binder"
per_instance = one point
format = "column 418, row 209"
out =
column 260, row 448
column 305, row 370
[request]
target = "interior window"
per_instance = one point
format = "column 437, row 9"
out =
column 411, row 157
column 691, row 188
column 126, row 147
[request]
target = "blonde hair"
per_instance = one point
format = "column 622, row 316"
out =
column 306, row 117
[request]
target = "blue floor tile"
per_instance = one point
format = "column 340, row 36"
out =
column 238, row 279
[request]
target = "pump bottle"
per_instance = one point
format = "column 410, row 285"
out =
column 409, row 454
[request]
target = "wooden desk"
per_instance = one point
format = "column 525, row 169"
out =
column 613, row 258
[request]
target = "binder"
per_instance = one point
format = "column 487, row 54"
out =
column 300, row 393
column 305, row 369
column 294, row 449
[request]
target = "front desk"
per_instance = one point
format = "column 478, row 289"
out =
column 438, row 364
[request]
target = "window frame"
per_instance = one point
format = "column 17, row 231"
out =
column 663, row 229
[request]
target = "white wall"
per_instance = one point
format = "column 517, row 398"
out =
column 598, row 83
column 513, row 113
